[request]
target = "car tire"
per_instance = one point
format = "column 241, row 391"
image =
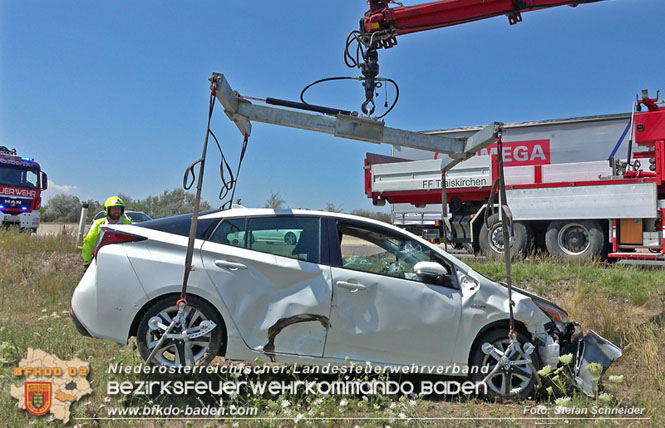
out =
column 290, row 238
column 490, row 238
column 521, row 386
column 174, row 353
column 575, row 240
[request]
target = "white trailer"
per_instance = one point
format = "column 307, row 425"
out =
column 564, row 192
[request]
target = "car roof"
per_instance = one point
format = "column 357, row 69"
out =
column 251, row 212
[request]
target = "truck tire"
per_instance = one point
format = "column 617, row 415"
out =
column 575, row 240
column 490, row 238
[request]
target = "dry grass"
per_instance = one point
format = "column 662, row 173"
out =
column 626, row 305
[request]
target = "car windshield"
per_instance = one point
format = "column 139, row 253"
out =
column 19, row 177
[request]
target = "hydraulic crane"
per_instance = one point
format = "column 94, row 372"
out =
column 382, row 24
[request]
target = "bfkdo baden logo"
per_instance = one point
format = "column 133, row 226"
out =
column 38, row 397
column 50, row 385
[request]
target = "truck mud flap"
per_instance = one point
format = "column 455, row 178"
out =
column 593, row 348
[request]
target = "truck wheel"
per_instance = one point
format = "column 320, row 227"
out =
column 490, row 238
column 576, row 240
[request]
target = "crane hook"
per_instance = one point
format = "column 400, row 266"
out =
column 368, row 111
column 370, row 71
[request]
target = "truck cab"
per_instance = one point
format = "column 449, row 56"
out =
column 21, row 184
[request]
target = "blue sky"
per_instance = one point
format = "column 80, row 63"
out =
column 112, row 96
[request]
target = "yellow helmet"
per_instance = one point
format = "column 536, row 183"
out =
column 114, row 201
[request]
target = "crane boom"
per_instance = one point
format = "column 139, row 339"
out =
column 382, row 24
column 385, row 23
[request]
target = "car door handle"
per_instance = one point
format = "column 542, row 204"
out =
column 230, row 265
column 353, row 286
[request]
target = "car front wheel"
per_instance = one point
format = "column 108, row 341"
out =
column 180, row 348
column 512, row 380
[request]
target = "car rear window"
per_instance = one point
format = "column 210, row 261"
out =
column 180, row 224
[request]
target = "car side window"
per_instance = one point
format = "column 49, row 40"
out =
column 381, row 252
column 230, row 232
column 293, row 237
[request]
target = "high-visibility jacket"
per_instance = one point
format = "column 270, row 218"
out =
column 90, row 242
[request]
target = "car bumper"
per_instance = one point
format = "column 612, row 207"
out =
column 108, row 297
column 593, row 348
column 78, row 324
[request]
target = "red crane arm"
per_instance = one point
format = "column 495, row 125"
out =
column 383, row 23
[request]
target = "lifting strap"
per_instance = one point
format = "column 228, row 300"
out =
column 188, row 181
column 514, row 348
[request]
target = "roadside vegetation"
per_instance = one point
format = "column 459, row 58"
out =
column 624, row 304
column 64, row 208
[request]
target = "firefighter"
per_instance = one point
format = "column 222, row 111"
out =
column 115, row 214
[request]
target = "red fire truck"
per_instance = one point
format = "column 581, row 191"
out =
column 575, row 210
column 21, row 184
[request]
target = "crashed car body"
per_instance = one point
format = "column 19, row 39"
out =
column 350, row 288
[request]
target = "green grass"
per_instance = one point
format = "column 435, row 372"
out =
column 547, row 276
column 39, row 275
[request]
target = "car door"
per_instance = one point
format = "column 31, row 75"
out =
column 278, row 294
column 382, row 311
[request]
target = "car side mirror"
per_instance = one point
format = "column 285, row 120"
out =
column 44, row 181
column 430, row 271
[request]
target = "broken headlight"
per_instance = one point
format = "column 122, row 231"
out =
column 558, row 315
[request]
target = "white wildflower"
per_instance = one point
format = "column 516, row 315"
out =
column 563, row 401
column 606, row 398
column 566, row 359
column 545, row 370
column 616, row 379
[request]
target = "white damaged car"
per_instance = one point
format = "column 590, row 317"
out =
column 347, row 288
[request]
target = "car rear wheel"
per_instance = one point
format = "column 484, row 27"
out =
column 515, row 380
column 175, row 351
